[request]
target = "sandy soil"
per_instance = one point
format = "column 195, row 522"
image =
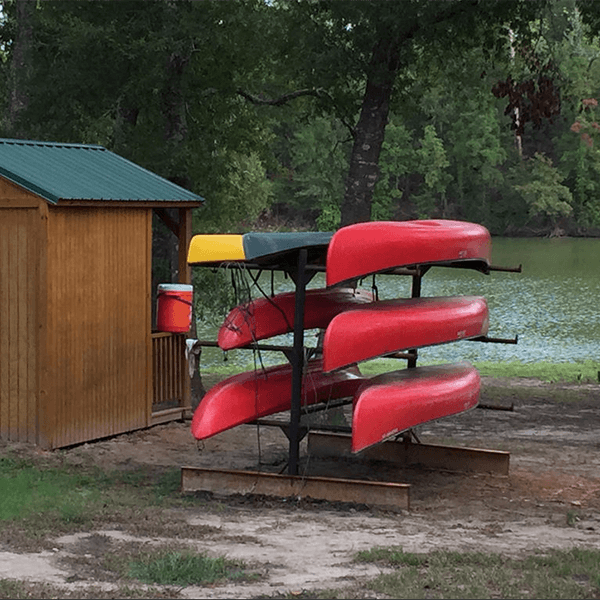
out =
column 551, row 499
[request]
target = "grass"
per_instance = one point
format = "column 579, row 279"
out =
column 575, row 372
column 580, row 372
column 27, row 490
column 174, row 567
column 571, row 573
column 18, row 590
column 43, row 497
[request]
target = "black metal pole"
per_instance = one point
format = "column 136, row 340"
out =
column 415, row 293
column 297, row 363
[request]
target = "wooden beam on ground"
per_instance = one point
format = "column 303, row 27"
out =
column 408, row 454
column 384, row 494
column 168, row 415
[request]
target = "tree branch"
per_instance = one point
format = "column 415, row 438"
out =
column 283, row 99
column 316, row 92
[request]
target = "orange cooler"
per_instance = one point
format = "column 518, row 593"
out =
column 174, row 307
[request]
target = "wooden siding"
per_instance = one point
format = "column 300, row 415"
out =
column 19, row 318
column 13, row 196
column 98, row 351
column 170, row 370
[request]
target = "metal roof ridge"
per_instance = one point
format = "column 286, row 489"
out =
column 19, row 142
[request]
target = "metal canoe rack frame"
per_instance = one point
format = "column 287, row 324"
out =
column 332, row 441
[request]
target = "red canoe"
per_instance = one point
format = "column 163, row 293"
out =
column 364, row 248
column 268, row 317
column 389, row 326
column 254, row 394
column 394, row 402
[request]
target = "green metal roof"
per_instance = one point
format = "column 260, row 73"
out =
column 83, row 172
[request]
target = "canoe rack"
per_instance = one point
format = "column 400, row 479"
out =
column 301, row 264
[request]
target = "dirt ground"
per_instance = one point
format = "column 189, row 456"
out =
column 550, row 499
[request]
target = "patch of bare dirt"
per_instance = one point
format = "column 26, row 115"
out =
column 550, row 499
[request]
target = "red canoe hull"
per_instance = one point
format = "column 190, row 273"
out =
column 390, row 326
column 364, row 248
column 254, row 394
column 268, row 317
column 394, row 402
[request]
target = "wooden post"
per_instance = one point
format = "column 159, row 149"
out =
column 298, row 364
column 185, row 276
column 185, row 237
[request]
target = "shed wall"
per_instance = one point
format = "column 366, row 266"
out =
column 19, row 321
column 96, row 380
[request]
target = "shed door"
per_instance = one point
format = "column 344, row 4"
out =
column 99, row 349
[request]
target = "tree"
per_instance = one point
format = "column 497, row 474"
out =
column 19, row 19
column 314, row 160
column 156, row 81
column 398, row 32
column 543, row 192
column 368, row 109
column 580, row 161
column 398, row 162
column 433, row 162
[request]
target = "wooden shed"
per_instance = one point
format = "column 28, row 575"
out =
column 78, row 358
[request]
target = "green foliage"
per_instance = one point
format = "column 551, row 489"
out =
column 432, row 165
column 312, row 169
column 160, row 83
column 544, row 193
column 397, row 161
column 580, row 161
column 329, row 219
column 157, row 82
column 214, row 294
column 244, row 194
column 476, row 155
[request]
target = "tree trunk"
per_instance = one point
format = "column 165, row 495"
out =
column 369, row 133
column 174, row 102
column 18, row 98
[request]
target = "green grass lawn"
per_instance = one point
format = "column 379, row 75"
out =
column 573, row 372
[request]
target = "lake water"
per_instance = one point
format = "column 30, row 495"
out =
column 552, row 306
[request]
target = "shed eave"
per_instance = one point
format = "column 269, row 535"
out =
column 26, row 185
column 96, row 202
